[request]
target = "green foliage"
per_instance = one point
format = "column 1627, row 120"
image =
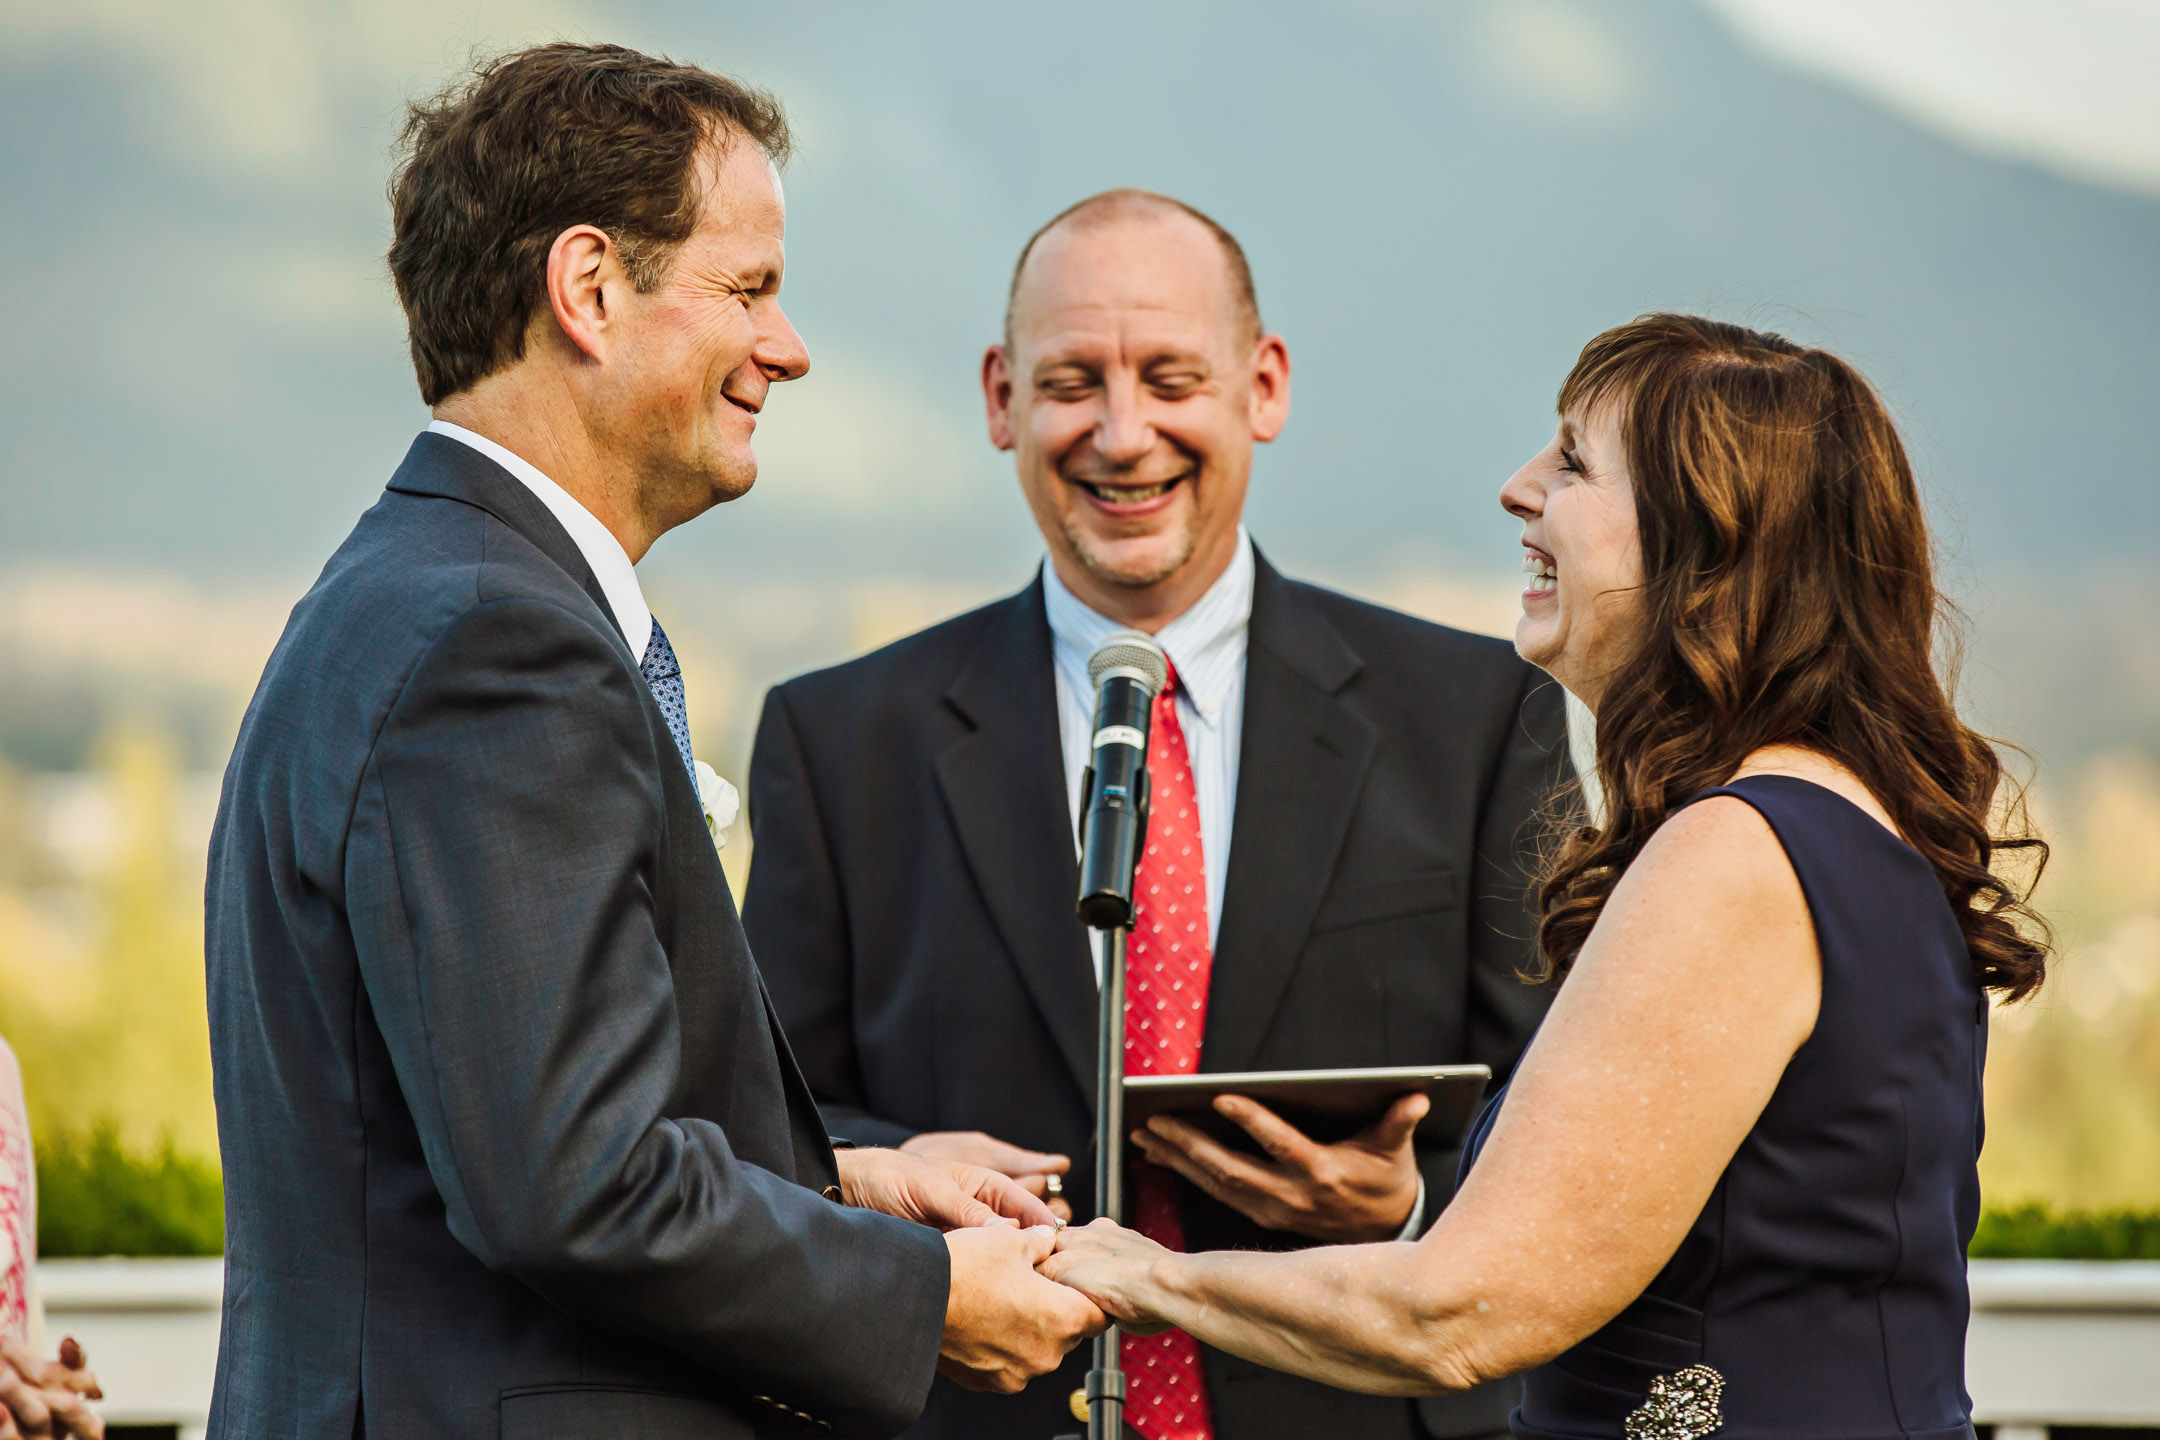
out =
column 2034, row 1232
column 95, row 1197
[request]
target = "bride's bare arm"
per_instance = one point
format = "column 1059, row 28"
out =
column 1698, row 983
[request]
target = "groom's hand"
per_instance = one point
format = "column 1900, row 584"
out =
column 1040, row 1172
column 1361, row 1190
column 1005, row 1324
column 942, row 1193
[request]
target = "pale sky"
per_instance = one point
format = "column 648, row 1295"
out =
column 2069, row 84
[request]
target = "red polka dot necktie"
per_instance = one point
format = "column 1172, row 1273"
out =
column 1166, row 989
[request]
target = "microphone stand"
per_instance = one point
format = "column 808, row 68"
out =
column 1128, row 671
column 1106, row 1381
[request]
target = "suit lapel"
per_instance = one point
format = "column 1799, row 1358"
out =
column 439, row 465
column 1004, row 783
column 1300, row 772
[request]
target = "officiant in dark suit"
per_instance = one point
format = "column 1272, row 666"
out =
column 1336, row 867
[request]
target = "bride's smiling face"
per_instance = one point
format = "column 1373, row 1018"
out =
column 1582, row 553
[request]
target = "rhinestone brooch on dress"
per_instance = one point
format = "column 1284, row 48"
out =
column 1682, row 1406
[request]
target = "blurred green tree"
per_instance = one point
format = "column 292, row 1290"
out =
column 2073, row 1081
column 107, row 1015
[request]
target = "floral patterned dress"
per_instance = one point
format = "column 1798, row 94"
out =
column 19, row 1317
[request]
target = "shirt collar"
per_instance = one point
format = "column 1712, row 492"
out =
column 602, row 551
column 1205, row 643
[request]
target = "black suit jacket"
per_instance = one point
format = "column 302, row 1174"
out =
column 513, row 1145
column 911, row 903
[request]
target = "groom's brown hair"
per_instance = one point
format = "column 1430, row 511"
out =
column 493, row 168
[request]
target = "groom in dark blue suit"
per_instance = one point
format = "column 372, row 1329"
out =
column 513, row 1143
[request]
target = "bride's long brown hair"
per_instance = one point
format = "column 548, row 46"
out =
column 1788, row 598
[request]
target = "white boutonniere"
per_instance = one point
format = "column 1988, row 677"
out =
column 719, row 800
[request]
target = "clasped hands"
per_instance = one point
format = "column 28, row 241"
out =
column 47, row 1397
column 1004, row 1323
column 996, row 1338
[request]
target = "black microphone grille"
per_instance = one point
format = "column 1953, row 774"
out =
column 1129, row 652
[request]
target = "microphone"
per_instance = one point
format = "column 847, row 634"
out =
column 1127, row 670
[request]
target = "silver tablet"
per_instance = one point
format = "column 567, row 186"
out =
column 1328, row 1105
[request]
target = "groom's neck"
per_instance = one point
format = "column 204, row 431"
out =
column 530, row 410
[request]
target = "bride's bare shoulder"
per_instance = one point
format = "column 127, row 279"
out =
column 1709, row 922
column 1722, row 843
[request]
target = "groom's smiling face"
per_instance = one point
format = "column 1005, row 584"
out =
column 703, row 349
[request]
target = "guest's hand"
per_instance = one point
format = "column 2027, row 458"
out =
column 1005, row 1324
column 1358, row 1191
column 47, row 1397
column 942, row 1193
column 1111, row 1266
column 1042, row 1174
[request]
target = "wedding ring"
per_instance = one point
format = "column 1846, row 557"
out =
column 1053, row 1187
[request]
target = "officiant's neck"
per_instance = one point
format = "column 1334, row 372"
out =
column 530, row 410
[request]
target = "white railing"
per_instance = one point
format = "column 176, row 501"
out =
column 2053, row 1342
column 151, row 1327
column 2064, row 1342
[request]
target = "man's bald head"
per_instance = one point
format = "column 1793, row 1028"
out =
column 1115, row 206
column 1132, row 385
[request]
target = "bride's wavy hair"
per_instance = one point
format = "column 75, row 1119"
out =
column 1788, row 598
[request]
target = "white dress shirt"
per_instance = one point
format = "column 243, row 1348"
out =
column 602, row 551
column 1207, row 644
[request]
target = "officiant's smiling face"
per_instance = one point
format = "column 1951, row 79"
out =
column 1133, row 386
column 1582, row 553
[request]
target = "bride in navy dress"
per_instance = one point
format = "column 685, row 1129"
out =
column 1730, row 1186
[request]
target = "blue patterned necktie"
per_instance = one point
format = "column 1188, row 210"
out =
column 665, row 677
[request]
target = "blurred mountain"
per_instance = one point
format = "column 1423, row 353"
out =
column 1441, row 201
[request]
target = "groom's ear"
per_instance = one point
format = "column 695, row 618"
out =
column 587, row 288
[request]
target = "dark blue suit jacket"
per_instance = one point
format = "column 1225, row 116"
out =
column 513, row 1143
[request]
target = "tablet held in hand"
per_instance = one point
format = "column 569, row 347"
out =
column 1330, row 1106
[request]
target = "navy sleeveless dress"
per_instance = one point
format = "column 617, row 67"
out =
column 1821, row 1292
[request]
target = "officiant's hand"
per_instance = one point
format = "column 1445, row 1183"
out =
column 1039, row 1172
column 930, row 1191
column 1358, row 1191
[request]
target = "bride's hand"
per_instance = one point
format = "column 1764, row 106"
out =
column 1113, row 1267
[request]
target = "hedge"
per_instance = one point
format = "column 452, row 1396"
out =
column 2034, row 1232
column 95, row 1197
